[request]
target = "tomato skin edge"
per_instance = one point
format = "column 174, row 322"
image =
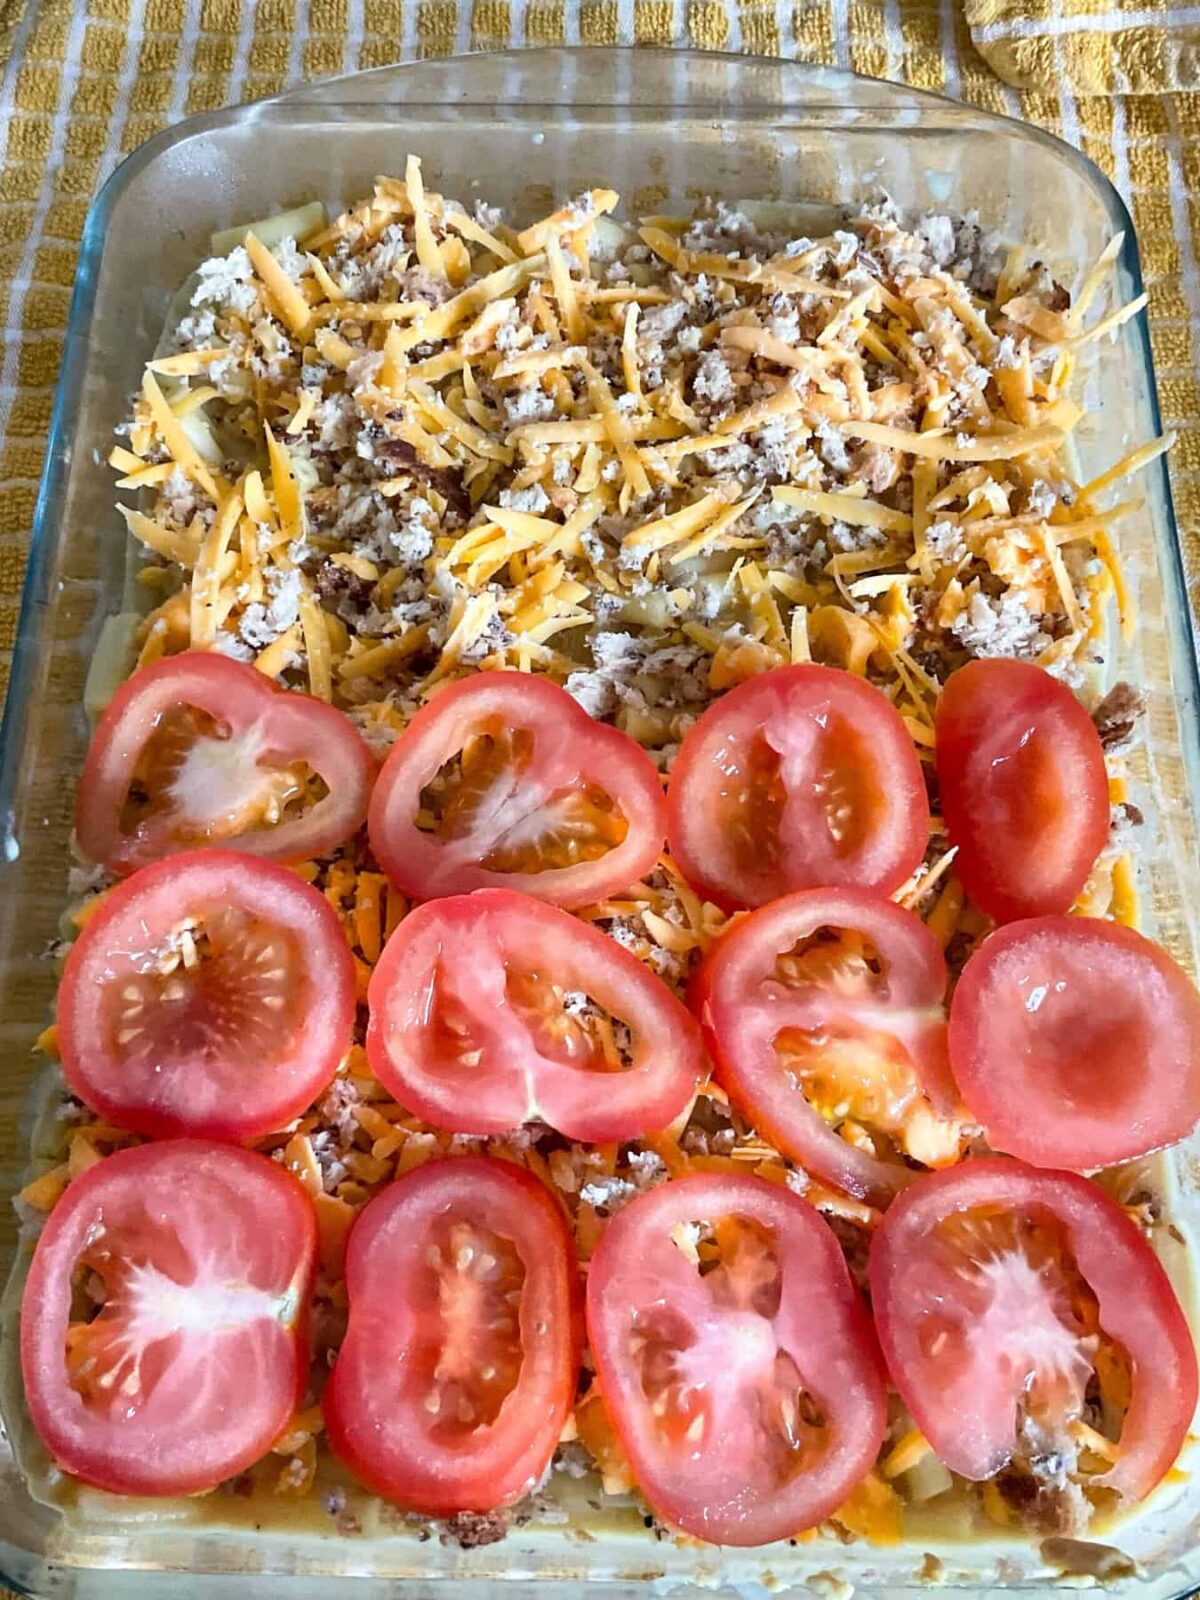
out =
column 340, row 1427
column 338, row 975
column 861, row 1327
column 652, row 1003
column 955, row 745
column 906, row 776
column 410, row 861
column 106, row 765
column 43, row 1407
column 978, row 1058
column 890, row 1251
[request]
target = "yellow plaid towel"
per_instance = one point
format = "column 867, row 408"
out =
column 1123, row 47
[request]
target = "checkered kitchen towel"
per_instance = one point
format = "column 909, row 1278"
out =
column 1122, row 47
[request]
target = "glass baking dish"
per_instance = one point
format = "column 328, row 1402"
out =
column 518, row 129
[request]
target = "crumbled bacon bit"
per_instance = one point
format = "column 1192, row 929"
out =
column 470, row 1529
column 339, row 583
column 1117, row 716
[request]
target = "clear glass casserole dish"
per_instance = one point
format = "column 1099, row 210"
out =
column 518, row 130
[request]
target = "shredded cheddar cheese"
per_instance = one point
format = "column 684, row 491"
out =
column 622, row 429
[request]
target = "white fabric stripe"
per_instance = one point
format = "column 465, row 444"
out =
column 785, row 21
column 839, row 18
column 19, row 288
column 301, row 26
column 241, row 59
column 1181, row 217
column 1120, row 143
column 356, row 27
column 1066, row 99
column 893, row 37
column 16, row 58
column 462, row 26
column 185, row 63
column 408, row 34
column 516, row 23
column 734, row 12
column 625, row 20
column 1106, row 22
column 953, row 77
column 130, row 51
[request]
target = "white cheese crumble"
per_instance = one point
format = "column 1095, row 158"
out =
column 713, row 380
column 534, row 499
column 227, row 282
column 261, row 625
column 999, row 627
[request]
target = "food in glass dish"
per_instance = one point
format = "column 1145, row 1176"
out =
column 164, row 1327
column 536, row 600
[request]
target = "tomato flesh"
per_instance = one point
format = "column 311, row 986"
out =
column 491, row 1009
column 999, row 1291
column 1023, row 785
column 802, row 777
column 202, row 750
column 459, row 1364
column 824, row 1013
column 209, row 994
column 735, row 1358
column 502, row 781
column 1076, row 1042
column 164, row 1319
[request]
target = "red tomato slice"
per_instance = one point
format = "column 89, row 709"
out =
column 824, row 1013
column 491, row 1009
column 503, row 782
column 164, row 1322
column 800, row 778
column 1076, row 1043
column 198, row 749
column 735, row 1357
column 1023, row 785
column 210, row 994
column 459, row 1365
column 998, row 1292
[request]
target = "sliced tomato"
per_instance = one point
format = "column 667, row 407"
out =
column 1076, row 1043
column 503, row 782
column 198, row 749
column 824, row 1012
column 164, row 1322
column 735, row 1357
column 803, row 777
column 460, row 1361
column 1023, row 786
column 491, row 1009
column 210, row 994
column 1010, row 1300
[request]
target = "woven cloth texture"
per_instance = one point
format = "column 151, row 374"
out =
column 1131, row 47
